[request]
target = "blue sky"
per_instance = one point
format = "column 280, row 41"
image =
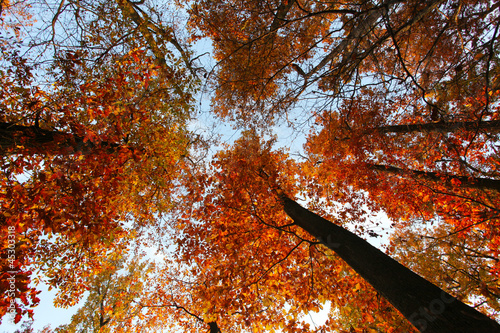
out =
column 45, row 313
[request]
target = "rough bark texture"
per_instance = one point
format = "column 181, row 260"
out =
column 426, row 306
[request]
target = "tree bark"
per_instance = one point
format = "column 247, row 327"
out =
column 34, row 140
column 281, row 12
column 427, row 307
column 214, row 328
column 492, row 126
column 443, row 178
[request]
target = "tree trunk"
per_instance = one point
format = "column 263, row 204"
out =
column 281, row 12
column 214, row 328
column 34, row 140
column 426, row 306
column 443, row 178
column 492, row 126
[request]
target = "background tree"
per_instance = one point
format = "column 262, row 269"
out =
column 113, row 302
column 140, row 296
column 92, row 142
column 464, row 265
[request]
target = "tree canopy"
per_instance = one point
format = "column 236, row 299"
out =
column 397, row 103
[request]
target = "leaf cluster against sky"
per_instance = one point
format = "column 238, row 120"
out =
column 396, row 101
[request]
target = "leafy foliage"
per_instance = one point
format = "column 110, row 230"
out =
column 401, row 99
column 398, row 104
column 113, row 301
column 258, row 269
column 90, row 160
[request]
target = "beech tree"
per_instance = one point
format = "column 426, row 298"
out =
column 92, row 142
column 375, row 73
column 450, row 261
column 114, row 298
column 137, row 295
column 247, row 205
column 400, row 99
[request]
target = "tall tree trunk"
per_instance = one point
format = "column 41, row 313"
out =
column 492, row 126
column 427, row 307
column 34, row 140
column 464, row 181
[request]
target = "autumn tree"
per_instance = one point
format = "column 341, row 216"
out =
column 357, row 91
column 465, row 265
column 113, row 302
column 400, row 99
column 247, row 245
column 137, row 295
column 93, row 137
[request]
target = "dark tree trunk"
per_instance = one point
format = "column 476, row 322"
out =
column 214, row 328
column 464, row 181
column 492, row 126
column 279, row 18
column 34, row 140
column 426, row 306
